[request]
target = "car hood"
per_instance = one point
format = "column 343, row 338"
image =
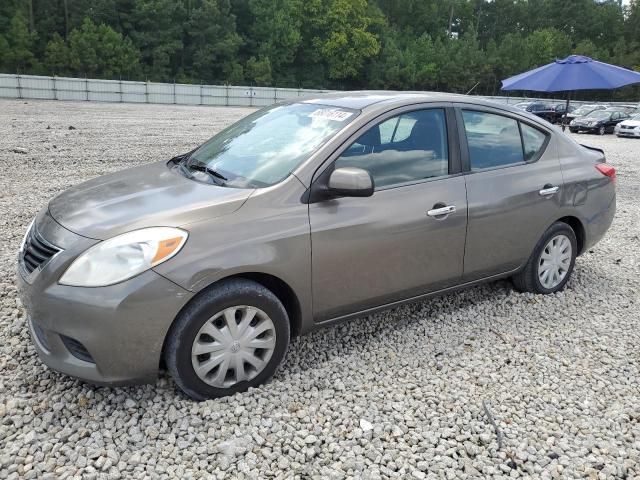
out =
column 630, row 123
column 146, row 196
column 589, row 119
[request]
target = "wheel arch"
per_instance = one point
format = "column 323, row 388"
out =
column 578, row 228
column 276, row 285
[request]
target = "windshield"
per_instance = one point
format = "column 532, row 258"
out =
column 635, row 116
column 265, row 147
column 599, row 114
column 584, row 110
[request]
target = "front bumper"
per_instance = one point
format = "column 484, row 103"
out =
column 584, row 128
column 628, row 133
column 106, row 335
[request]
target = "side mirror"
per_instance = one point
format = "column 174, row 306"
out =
column 350, row 182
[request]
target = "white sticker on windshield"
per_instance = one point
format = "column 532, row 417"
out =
column 331, row 114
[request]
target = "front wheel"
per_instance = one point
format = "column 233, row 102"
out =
column 228, row 339
column 602, row 131
column 551, row 263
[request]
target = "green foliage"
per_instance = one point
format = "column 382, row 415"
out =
column 339, row 35
column 95, row 51
column 19, row 54
column 452, row 45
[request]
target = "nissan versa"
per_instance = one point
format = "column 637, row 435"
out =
column 297, row 216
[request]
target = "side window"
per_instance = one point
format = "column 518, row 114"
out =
column 532, row 141
column 409, row 147
column 494, row 140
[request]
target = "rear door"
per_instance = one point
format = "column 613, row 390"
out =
column 513, row 184
column 393, row 245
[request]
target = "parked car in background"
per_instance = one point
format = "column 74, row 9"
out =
column 629, row 109
column 629, row 127
column 599, row 121
column 559, row 111
column 583, row 111
column 300, row 215
column 543, row 110
column 522, row 105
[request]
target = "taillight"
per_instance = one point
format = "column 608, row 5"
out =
column 607, row 170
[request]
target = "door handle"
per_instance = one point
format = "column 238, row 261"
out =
column 440, row 211
column 548, row 190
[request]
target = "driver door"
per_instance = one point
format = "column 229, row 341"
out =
column 376, row 250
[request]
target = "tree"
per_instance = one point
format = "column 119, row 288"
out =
column 213, row 41
column 98, row 50
column 336, row 32
column 56, row 57
column 258, row 71
column 19, row 55
column 157, row 30
column 275, row 34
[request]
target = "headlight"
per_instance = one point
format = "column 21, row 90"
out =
column 124, row 256
column 26, row 235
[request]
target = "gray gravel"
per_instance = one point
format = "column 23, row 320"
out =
column 395, row 395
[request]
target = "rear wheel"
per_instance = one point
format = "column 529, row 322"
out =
column 550, row 266
column 230, row 338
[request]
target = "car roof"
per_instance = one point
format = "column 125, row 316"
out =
column 386, row 100
column 364, row 99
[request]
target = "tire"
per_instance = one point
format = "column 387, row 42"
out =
column 212, row 310
column 573, row 130
column 602, row 131
column 529, row 278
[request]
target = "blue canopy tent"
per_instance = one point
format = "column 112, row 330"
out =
column 575, row 72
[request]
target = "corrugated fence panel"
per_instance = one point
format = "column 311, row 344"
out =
column 63, row 88
column 214, row 95
column 36, row 87
column 135, row 92
column 71, row 88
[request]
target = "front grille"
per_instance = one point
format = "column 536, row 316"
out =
column 37, row 251
column 77, row 349
column 628, row 127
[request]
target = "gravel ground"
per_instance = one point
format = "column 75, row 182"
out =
column 400, row 394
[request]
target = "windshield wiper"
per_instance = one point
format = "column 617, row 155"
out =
column 201, row 167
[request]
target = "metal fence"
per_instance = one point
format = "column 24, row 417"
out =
column 63, row 88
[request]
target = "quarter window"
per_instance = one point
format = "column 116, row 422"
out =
column 406, row 148
column 532, row 141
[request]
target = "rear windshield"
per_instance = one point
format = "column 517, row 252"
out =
column 265, row 147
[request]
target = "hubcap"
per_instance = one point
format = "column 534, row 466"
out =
column 233, row 346
column 555, row 261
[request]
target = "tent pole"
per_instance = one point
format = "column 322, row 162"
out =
column 566, row 111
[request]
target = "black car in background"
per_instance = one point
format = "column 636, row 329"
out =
column 540, row 109
column 559, row 110
column 598, row 121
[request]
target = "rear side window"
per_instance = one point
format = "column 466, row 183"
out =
column 532, row 141
column 498, row 141
column 494, row 140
